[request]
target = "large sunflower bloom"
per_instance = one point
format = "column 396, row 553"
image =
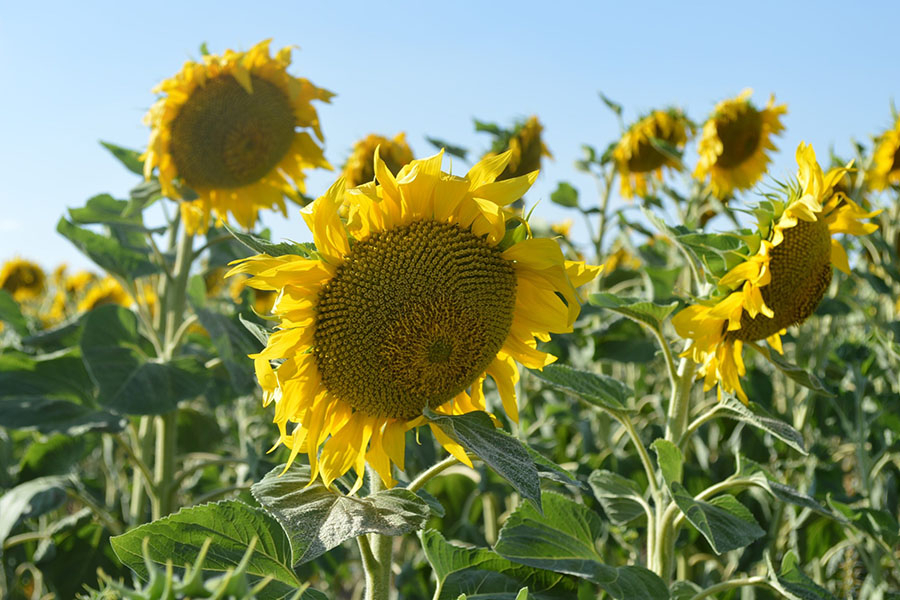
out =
column 408, row 306
column 735, row 142
column 886, row 170
column 23, row 279
column 227, row 128
column 781, row 283
column 394, row 152
column 638, row 156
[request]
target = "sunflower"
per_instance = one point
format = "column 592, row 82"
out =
column 886, row 170
column 734, row 143
column 227, row 129
column 638, row 154
column 23, row 279
column 782, row 282
column 408, row 306
column 526, row 148
column 109, row 291
column 359, row 168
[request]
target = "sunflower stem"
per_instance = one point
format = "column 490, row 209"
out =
column 423, row 478
column 376, row 551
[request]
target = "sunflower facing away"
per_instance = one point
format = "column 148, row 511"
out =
column 638, row 155
column 779, row 285
column 886, row 170
column 394, row 152
column 227, row 129
column 525, row 144
column 734, row 144
column 23, row 279
column 409, row 305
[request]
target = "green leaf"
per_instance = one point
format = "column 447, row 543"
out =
column 735, row 409
column 263, row 246
column 794, row 583
column 12, row 314
column 30, row 499
column 57, row 374
column 684, row 590
column 107, row 252
column 798, row 374
column 130, row 158
column 482, row 574
column 670, row 460
column 564, row 539
column 645, row 313
column 785, row 493
column 318, row 519
column 233, row 343
column 880, row 524
column 129, row 379
column 54, row 455
column 451, row 149
column 231, row 526
column 51, row 415
column 724, row 522
column 600, row 390
column 103, row 208
column 502, row 452
column 565, row 195
column 550, row 470
column 610, row 104
column 621, row 498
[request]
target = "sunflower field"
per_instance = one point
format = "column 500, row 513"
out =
column 446, row 395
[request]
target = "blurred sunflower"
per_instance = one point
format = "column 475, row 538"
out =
column 360, row 169
column 408, row 306
column 734, row 143
column 640, row 153
column 886, row 170
column 783, row 280
column 227, row 129
column 109, row 291
column 23, row 279
column 526, row 147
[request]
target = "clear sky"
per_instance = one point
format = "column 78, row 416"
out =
column 74, row 73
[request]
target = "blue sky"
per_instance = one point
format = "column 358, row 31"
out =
column 75, row 72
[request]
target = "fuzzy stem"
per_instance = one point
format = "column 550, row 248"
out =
column 376, row 550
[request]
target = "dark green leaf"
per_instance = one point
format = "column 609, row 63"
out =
column 12, row 314
column 646, row 313
column 231, row 526
column 503, row 453
column 233, row 343
column 670, row 460
column 550, row 470
column 437, row 509
column 107, row 252
column 263, row 246
column 103, row 208
column 600, row 390
column 30, row 499
column 621, row 498
column 724, row 522
column 318, row 519
column 451, row 149
column 798, row 374
column 51, row 415
column 130, row 158
column 684, row 590
column 795, row 584
column 565, row 195
column 52, row 456
column 785, row 493
column 482, row 574
column 735, row 409
column 130, row 381
column 58, row 374
column 564, row 539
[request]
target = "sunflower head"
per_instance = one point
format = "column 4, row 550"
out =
column 227, row 128
column 785, row 272
column 409, row 305
column 886, row 169
column 23, row 279
column 525, row 146
column 360, row 169
column 735, row 142
column 103, row 292
column 650, row 144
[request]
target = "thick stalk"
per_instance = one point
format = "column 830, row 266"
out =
column 140, row 478
column 376, row 550
column 166, row 425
